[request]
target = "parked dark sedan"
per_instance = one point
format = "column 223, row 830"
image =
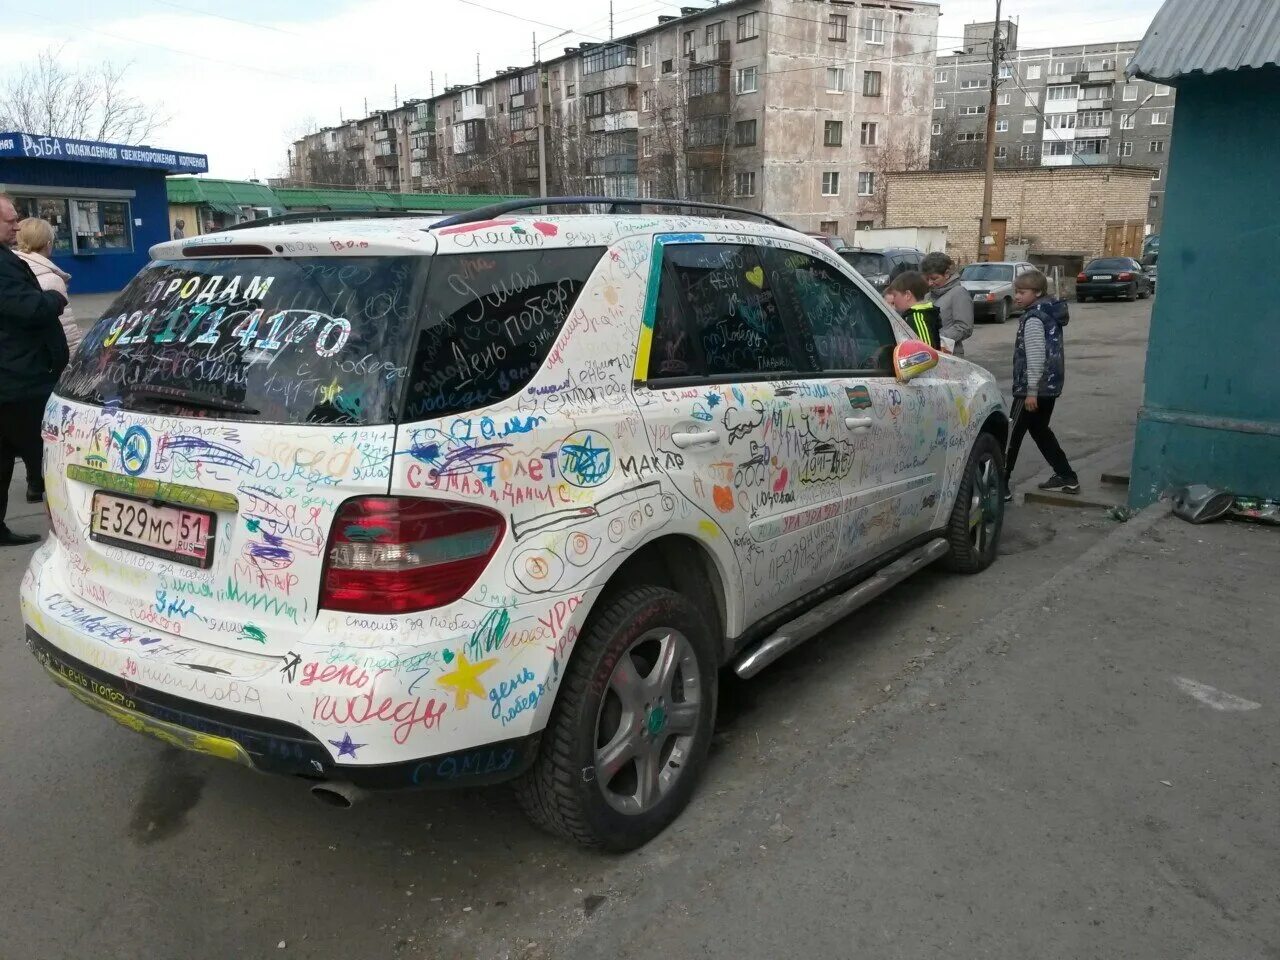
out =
column 880, row 267
column 1113, row 277
column 991, row 285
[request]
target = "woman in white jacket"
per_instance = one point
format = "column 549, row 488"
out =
column 35, row 246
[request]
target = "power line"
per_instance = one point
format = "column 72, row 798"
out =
column 222, row 16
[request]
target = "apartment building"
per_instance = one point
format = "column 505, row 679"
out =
column 797, row 108
column 385, row 151
column 1056, row 106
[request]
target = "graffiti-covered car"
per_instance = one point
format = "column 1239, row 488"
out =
column 403, row 503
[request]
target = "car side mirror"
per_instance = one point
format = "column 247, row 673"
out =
column 913, row 358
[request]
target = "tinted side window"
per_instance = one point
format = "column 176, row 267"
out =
column 717, row 315
column 850, row 332
column 487, row 324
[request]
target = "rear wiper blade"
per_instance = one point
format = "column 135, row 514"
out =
column 185, row 398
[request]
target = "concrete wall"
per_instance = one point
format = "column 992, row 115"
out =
column 1211, row 413
column 1063, row 211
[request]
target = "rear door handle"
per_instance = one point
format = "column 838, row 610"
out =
column 684, row 441
column 858, row 424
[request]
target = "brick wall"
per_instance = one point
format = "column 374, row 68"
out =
column 1062, row 211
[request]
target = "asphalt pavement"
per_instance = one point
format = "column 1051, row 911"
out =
column 1018, row 785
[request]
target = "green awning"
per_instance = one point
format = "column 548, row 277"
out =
column 225, row 196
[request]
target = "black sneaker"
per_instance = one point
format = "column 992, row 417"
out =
column 1059, row 484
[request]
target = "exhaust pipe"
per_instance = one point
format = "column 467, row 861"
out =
column 337, row 794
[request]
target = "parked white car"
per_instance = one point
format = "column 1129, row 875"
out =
column 395, row 503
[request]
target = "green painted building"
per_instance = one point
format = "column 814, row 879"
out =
column 1211, row 412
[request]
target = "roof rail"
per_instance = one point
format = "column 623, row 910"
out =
column 320, row 216
column 615, row 205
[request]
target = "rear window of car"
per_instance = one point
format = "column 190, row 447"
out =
column 1110, row 264
column 488, row 323
column 987, row 271
column 869, row 264
column 278, row 340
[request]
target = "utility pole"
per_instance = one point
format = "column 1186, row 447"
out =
column 610, row 19
column 985, row 238
column 542, row 114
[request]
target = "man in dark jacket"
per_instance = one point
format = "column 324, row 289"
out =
column 1039, row 372
column 33, row 351
column 954, row 302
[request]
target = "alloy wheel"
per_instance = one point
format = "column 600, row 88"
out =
column 985, row 504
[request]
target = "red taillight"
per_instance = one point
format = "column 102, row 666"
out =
column 397, row 554
column 991, row 298
column 1081, row 277
column 1125, row 276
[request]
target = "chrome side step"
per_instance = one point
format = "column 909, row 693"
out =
column 807, row 625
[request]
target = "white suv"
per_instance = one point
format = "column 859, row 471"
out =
column 411, row 503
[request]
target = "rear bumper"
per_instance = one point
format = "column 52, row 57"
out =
column 983, row 308
column 1115, row 288
column 271, row 746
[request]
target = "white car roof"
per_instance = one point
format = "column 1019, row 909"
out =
column 410, row 235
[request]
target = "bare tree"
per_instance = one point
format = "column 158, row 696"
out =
column 904, row 150
column 951, row 153
column 48, row 98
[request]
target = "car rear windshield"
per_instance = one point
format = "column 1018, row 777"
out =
column 1110, row 265
column 986, row 271
column 362, row 340
column 309, row 340
column 869, row 264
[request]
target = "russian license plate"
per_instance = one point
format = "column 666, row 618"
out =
column 159, row 530
column 1103, row 276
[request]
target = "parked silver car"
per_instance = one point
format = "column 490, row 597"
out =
column 991, row 285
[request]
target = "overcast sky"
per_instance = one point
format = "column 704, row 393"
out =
column 242, row 78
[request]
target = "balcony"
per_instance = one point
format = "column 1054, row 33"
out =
column 1092, row 132
column 519, row 100
column 470, row 111
column 1056, row 161
column 1054, row 134
column 615, row 164
column 613, row 122
column 620, row 76
column 712, row 53
column 387, row 161
column 384, row 136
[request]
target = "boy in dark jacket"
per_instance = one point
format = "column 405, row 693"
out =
column 1039, row 369
column 906, row 294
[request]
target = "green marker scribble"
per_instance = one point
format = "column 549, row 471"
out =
column 254, row 633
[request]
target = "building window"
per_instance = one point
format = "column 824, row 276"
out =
column 939, row 76
column 667, row 66
column 571, row 90
column 1161, row 90
column 646, row 101
column 831, row 184
column 1127, row 121
column 708, row 131
column 829, row 227
column 1060, row 121
column 595, row 105
column 866, row 183
column 937, row 129
column 1159, row 117
column 715, row 32
column 607, row 58
column 978, row 84
column 1029, row 126
column 744, row 133
column 99, row 225
column 939, row 103
column 1156, row 175
column 703, row 81
column 1033, row 99
column 744, row 184
column 648, row 190
column 839, row 25
column 1005, row 71
column 1002, row 126
column 1027, row 152
column 646, row 55
column 1095, row 118
column 833, row 133
column 1033, row 72
column 687, row 44
column 870, row 134
column 1002, row 153
column 747, row 27
column 646, row 146
column 1061, row 68
column 875, row 30
column 53, row 210
column 871, row 83
column 1058, row 148
column 1067, row 91
column 1003, row 99
column 835, row 79
column 748, row 80
column 1155, row 146
column 1130, row 92
column 978, row 137
column 972, row 111
column 1093, row 147
column 864, row 225
column 1153, row 202
column 1126, row 148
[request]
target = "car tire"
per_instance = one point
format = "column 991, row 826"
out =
column 605, row 695
column 1001, row 314
column 1143, row 294
column 977, row 517
column 1132, row 295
